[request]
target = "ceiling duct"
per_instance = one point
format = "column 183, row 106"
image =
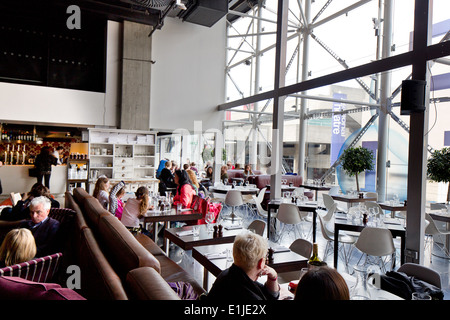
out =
column 204, row 12
column 156, row 4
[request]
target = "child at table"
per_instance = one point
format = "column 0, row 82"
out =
column 115, row 199
column 101, row 191
column 135, row 208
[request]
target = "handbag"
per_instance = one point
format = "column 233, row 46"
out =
column 33, row 172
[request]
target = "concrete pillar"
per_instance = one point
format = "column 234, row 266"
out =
column 385, row 92
column 304, row 102
column 136, row 69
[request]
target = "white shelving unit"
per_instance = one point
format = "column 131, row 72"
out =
column 128, row 155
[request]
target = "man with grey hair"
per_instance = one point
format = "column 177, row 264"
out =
column 240, row 281
column 42, row 226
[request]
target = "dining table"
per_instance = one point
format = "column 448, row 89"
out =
column 245, row 190
column 393, row 207
column 316, row 188
column 343, row 223
column 214, row 259
column 351, row 199
column 306, row 206
column 167, row 216
column 374, row 292
column 186, row 239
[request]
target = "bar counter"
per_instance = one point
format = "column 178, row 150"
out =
column 15, row 178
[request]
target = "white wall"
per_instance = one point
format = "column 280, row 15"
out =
column 188, row 79
column 65, row 106
column 187, row 84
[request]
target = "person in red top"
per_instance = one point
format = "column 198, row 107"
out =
column 185, row 190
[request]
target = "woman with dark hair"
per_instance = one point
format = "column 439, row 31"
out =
column 43, row 165
column 322, row 283
column 185, row 190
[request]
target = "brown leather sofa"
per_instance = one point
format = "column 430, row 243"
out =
column 114, row 264
column 239, row 173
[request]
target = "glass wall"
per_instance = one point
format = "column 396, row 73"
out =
column 345, row 34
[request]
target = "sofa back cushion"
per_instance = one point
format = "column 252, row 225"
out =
column 15, row 288
column 263, row 180
column 37, row 270
column 147, row 284
column 235, row 173
column 79, row 195
column 93, row 211
column 121, row 248
column 99, row 281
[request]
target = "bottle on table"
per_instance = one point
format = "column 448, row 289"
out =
column 315, row 261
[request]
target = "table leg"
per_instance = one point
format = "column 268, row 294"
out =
column 165, row 240
column 336, row 246
column 402, row 250
column 155, row 231
column 314, row 225
column 205, row 278
column 269, row 208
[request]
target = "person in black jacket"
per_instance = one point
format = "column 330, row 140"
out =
column 240, row 281
column 166, row 179
column 43, row 165
column 43, row 228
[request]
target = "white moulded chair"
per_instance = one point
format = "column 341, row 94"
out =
column 372, row 195
column 258, row 225
column 289, row 215
column 343, row 240
column 377, row 243
column 302, row 246
column 328, row 202
column 422, row 273
column 329, row 213
column 432, row 231
column 252, row 201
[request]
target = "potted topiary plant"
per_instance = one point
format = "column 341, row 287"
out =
column 357, row 160
column 438, row 167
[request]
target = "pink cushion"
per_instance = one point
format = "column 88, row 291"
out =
column 15, row 288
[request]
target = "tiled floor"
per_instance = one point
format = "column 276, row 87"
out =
column 442, row 266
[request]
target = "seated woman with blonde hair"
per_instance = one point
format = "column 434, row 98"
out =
column 17, row 247
column 240, row 281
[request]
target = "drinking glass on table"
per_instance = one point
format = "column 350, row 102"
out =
column 396, row 199
column 209, row 219
column 195, row 231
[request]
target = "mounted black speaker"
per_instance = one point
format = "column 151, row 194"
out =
column 413, row 96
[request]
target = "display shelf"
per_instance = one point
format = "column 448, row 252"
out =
column 122, row 154
column 77, row 173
